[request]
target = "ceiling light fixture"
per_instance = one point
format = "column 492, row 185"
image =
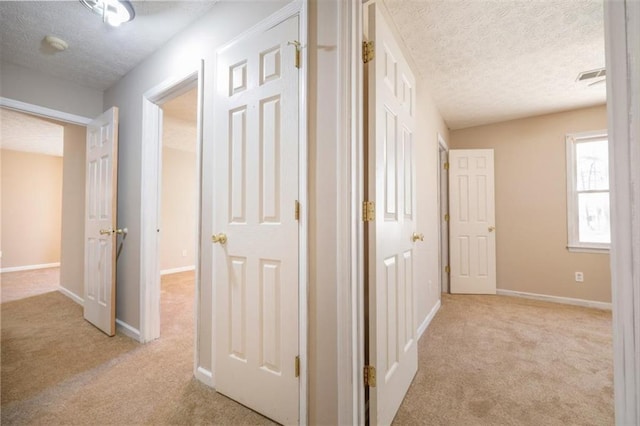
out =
column 113, row 12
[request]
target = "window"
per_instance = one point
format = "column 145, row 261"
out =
column 588, row 192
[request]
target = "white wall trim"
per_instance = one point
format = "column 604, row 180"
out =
column 556, row 299
column 205, row 376
column 128, row 330
column 347, row 192
column 71, row 295
column 30, row 267
column 425, row 324
column 622, row 48
column 178, row 270
column 150, row 196
column 44, row 112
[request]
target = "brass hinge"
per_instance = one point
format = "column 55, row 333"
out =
column 367, row 51
column 370, row 376
column 447, row 269
column 446, row 165
column 297, row 211
column 296, row 44
column 297, row 366
column 446, row 217
column 368, row 211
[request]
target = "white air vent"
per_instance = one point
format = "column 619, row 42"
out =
column 590, row 75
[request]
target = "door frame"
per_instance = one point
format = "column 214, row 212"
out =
column 622, row 51
column 442, row 147
column 44, row 111
column 40, row 111
column 295, row 8
column 151, row 171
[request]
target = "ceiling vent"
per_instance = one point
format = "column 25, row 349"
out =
column 590, row 75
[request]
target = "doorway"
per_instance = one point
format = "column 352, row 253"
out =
column 178, row 206
column 43, row 191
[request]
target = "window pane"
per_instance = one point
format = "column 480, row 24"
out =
column 593, row 218
column 592, row 165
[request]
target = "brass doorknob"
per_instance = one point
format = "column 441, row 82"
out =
column 492, row 228
column 417, row 237
column 219, row 238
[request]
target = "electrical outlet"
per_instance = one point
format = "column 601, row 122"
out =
column 184, row 253
column 579, row 277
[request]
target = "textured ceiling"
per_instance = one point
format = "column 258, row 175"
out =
column 28, row 133
column 493, row 60
column 98, row 55
column 484, row 60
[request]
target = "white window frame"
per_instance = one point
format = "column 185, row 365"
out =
column 574, row 244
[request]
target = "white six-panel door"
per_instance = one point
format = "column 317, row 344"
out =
column 100, row 221
column 256, row 188
column 390, row 86
column 472, row 221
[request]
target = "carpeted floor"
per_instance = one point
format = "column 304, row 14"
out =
column 58, row 369
column 484, row 360
column 20, row 284
column 498, row 360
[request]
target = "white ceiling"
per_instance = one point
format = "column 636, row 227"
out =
column 98, row 55
column 28, row 133
column 493, row 60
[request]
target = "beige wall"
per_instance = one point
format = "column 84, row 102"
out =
column 31, row 208
column 179, row 209
column 531, row 200
column 73, row 190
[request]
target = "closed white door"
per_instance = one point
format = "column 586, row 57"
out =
column 256, row 241
column 390, row 86
column 100, row 222
column 472, row 221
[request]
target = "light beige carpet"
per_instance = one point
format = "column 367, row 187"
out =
column 58, row 369
column 20, row 284
column 497, row 360
column 484, row 360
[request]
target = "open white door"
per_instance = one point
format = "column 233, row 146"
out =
column 256, row 256
column 100, row 222
column 393, row 353
column 472, row 221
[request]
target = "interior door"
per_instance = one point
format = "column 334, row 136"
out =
column 256, row 254
column 100, row 221
column 392, row 351
column 444, row 220
column 472, row 221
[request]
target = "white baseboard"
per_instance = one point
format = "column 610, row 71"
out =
column 71, row 295
column 127, row 330
column 427, row 320
column 556, row 299
column 205, row 376
column 176, row 270
column 30, row 267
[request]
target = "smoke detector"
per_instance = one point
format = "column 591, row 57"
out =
column 57, row 43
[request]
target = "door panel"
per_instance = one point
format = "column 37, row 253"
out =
column 256, row 188
column 100, row 221
column 472, row 221
column 392, row 348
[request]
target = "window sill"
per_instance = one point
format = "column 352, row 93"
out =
column 588, row 249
